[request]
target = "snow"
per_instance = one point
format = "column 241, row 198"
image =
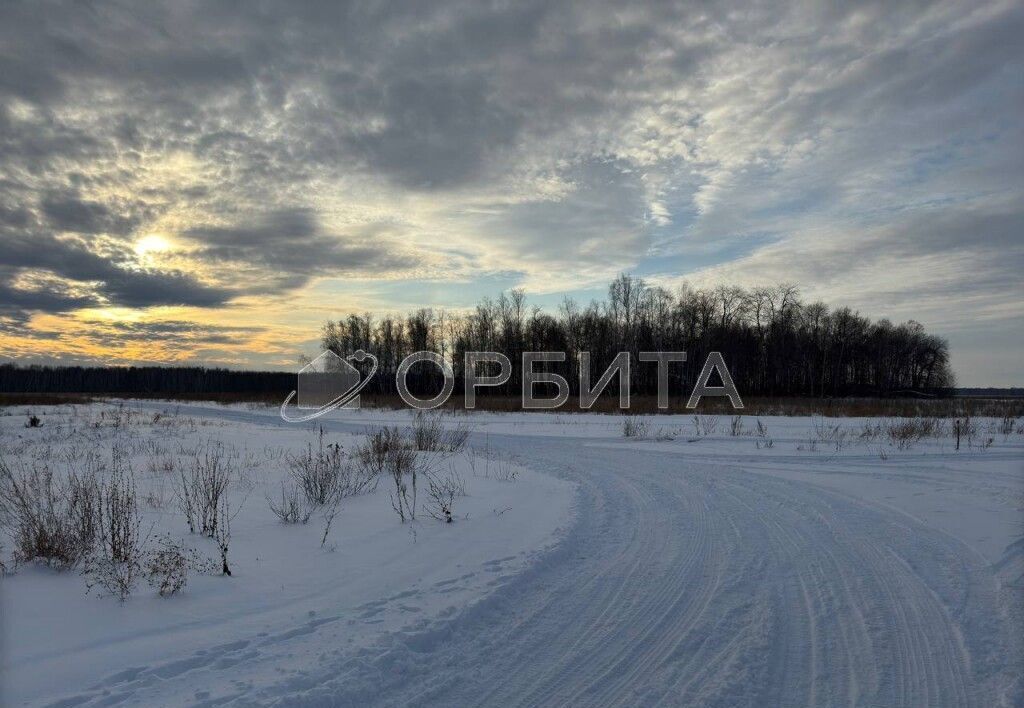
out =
column 375, row 576
column 692, row 566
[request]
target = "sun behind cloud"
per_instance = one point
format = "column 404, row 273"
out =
column 152, row 243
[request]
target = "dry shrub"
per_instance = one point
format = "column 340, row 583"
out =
column 401, row 463
column 222, row 532
column 292, row 508
column 373, row 454
column 904, row 433
column 633, row 427
column 203, row 487
column 455, row 438
column 736, row 426
column 114, row 563
column 833, row 434
column 167, row 567
column 506, row 470
column 869, row 431
column 426, row 432
column 762, row 429
column 326, row 474
column 705, row 425
column 50, row 519
column 442, row 490
column 318, row 473
column 1007, row 425
column 430, row 435
column 161, row 464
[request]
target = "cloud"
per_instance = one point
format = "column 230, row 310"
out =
column 66, row 212
column 181, row 333
column 952, row 267
column 279, row 146
column 289, row 247
column 53, row 296
column 112, row 279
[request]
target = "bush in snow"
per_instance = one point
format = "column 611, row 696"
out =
column 429, row 435
column 442, row 490
column 115, row 561
column 870, row 431
column 633, row 427
column 374, row 453
column 705, row 425
column 455, row 438
column 292, row 508
column 1007, row 425
column 222, row 533
column 326, row 473
column 167, row 568
column 426, row 432
column 401, row 463
column 168, row 565
column 506, row 471
column 904, row 433
column 330, row 511
column 48, row 518
column 736, row 426
column 161, row 463
column 320, row 472
column 835, row 435
column 203, row 487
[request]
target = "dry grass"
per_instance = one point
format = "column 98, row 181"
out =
column 959, row 407
column 754, row 406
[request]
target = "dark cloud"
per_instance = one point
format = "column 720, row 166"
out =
column 440, row 131
column 116, row 280
column 146, row 288
column 45, row 296
column 67, row 212
column 182, row 333
column 289, row 245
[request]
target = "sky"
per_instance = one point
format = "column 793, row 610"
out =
column 209, row 182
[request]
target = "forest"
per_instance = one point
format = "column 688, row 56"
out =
column 773, row 342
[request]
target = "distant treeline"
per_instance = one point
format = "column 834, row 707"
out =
column 773, row 343
column 141, row 380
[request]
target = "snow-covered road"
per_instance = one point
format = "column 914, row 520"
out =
column 690, row 582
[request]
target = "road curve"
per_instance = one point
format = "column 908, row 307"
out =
column 694, row 584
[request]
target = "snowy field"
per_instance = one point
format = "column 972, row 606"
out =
column 591, row 560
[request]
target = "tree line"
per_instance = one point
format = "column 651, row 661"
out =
column 773, row 342
column 142, row 380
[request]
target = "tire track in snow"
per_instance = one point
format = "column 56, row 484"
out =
column 690, row 583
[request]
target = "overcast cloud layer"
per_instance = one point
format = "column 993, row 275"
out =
column 217, row 167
